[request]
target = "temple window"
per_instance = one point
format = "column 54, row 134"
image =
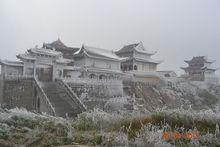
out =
column 135, row 67
column 92, row 76
column 101, row 77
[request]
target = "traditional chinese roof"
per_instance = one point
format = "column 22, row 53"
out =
column 94, row 52
column 58, row 45
column 200, row 59
column 11, row 63
column 25, row 56
column 208, row 68
column 43, row 51
column 139, row 47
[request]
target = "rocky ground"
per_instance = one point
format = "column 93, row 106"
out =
column 177, row 114
column 178, row 94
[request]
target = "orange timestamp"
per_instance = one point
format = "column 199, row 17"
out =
column 176, row 135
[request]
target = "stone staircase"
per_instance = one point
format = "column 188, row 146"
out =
column 64, row 102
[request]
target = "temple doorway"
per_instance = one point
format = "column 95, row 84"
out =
column 44, row 74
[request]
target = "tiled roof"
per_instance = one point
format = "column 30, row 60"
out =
column 139, row 47
column 11, row 63
column 26, row 56
column 59, row 45
column 200, row 59
column 98, row 53
column 43, row 51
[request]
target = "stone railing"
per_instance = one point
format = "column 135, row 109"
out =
column 93, row 81
column 73, row 96
column 44, row 98
column 15, row 77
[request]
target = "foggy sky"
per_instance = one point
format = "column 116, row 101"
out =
column 176, row 29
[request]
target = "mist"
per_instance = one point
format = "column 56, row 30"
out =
column 176, row 29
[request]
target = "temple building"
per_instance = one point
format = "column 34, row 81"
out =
column 42, row 63
column 138, row 59
column 56, row 60
column 59, row 46
column 139, row 63
column 199, row 69
column 98, row 63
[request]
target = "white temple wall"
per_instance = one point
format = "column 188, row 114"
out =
column 146, row 67
column 211, row 78
column 79, row 62
column 72, row 74
column 108, row 64
column 57, row 71
column 28, row 68
column 44, row 60
column 12, row 70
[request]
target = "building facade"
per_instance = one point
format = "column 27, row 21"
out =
column 199, row 69
column 98, row 63
column 139, row 64
column 138, row 59
column 42, row 63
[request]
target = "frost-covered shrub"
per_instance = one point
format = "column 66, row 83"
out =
column 150, row 135
column 204, row 120
column 95, row 120
column 21, row 127
column 115, row 139
column 88, row 137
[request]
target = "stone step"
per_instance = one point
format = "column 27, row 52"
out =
column 60, row 99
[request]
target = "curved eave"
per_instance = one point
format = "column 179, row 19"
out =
column 213, row 69
column 23, row 58
column 45, row 53
column 187, row 61
column 213, row 61
column 11, row 63
column 184, row 68
column 146, row 52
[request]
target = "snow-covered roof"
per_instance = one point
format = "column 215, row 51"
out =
column 98, row 53
column 43, row 51
column 59, row 45
column 139, row 47
column 11, row 63
column 26, row 56
column 200, row 59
